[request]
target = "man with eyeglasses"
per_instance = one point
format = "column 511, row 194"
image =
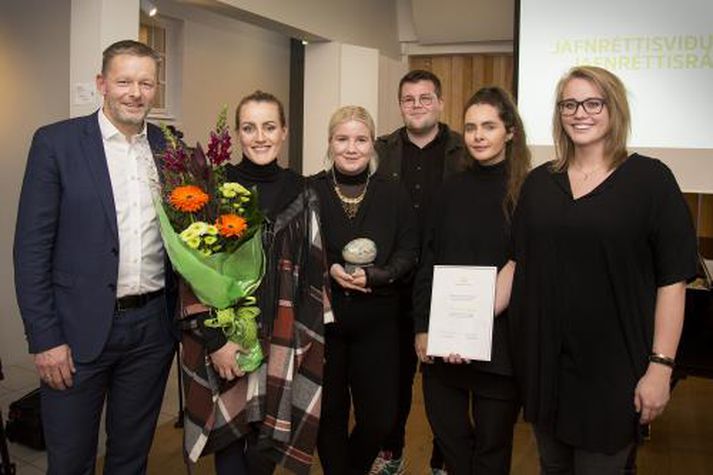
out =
column 421, row 154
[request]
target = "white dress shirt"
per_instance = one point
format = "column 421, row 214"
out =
column 131, row 168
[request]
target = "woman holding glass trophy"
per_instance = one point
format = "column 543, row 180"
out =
column 371, row 242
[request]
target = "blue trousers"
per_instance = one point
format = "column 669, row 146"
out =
column 130, row 376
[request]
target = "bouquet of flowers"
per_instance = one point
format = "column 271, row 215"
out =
column 211, row 230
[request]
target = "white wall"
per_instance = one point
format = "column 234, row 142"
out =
column 223, row 60
column 463, row 21
column 335, row 75
column 34, row 90
column 95, row 24
column 390, row 73
column 369, row 23
column 321, row 99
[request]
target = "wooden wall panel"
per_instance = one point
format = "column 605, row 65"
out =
column 466, row 85
column 692, row 201
column 705, row 217
column 701, row 207
column 502, row 72
column 420, row 62
column 441, row 66
column 457, row 92
column 462, row 75
column 478, row 72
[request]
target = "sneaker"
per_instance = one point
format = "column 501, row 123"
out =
column 386, row 464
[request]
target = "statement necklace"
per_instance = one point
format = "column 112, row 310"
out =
column 349, row 205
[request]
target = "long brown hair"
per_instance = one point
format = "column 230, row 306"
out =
column 614, row 93
column 517, row 155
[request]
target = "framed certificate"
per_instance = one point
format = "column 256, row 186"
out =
column 462, row 311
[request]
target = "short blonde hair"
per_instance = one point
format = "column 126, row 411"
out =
column 346, row 114
column 614, row 93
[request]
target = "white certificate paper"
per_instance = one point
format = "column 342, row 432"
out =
column 462, row 311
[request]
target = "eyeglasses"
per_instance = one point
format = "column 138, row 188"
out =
column 591, row 105
column 409, row 102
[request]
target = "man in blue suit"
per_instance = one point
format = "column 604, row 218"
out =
column 95, row 291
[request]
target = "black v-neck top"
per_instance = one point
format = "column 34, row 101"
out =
column 583, row 299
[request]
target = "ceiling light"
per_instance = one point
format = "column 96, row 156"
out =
column 149, row 7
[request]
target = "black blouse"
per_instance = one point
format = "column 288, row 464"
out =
column 468, row 226
column 582, row 308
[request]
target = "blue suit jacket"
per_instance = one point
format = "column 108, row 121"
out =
column 66, row 240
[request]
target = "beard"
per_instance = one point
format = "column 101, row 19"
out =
column 421, row 126
column 119, row 113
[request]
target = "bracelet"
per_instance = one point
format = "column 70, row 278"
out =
column 662, row 359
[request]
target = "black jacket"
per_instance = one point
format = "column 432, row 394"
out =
column 390, row 150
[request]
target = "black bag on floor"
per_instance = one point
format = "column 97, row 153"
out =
column 24, row 422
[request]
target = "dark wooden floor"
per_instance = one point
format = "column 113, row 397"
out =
column 681, row 443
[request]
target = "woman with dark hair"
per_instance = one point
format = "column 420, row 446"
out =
column 248, row 424
column 472, row 407
column 365, row 217
column 603, row 243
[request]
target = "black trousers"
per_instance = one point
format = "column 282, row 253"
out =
column 130, row 375
column 408, row 363
column 559, row 458
column 243, row 457
column 231, row 460
column 361, row 369
column 481, row 445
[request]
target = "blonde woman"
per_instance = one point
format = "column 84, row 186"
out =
column 361, row 367
column 603, row 246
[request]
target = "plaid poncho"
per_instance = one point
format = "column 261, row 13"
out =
column 281, row 399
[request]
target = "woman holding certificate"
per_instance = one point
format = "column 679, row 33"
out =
column 371, row 242
column 603, row 242
column 470, row 226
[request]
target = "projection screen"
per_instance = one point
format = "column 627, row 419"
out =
column 661, row 49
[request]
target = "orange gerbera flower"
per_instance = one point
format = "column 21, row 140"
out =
column 188, row 199
column 231, row 225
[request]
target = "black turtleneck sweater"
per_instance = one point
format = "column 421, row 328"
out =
column 277, row 187
column 467, row 226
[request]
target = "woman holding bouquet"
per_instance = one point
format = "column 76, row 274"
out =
column 251, row 430
column 472, row 407
column 362, row 344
